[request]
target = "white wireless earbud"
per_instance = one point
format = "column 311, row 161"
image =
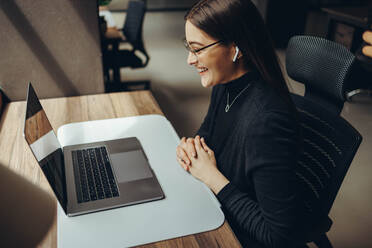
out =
column 236, row 53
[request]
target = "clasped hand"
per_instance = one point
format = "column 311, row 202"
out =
column 196, row 157
column 367, row 37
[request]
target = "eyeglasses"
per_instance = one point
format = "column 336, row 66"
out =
column 196, row 51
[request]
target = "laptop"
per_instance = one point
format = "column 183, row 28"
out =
column 89, row 177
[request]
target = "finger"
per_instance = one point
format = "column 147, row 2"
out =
column 367, row 37
column 183, row 155
column 183, row 142
column 204, row 144
column 198, row 145
column 205, row 147
column 181, row 161
column 183, row 164
column 191, row 147
column 367, row 50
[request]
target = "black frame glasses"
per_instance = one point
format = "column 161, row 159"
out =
column 195, row 51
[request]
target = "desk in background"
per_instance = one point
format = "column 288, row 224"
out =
column 17, row 156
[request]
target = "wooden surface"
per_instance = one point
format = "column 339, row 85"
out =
column 17, row 156
column 39, row 125
column 54, row 44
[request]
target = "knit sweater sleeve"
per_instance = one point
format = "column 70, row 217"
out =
column 274, row 218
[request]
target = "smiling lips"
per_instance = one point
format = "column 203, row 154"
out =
column 202, row 70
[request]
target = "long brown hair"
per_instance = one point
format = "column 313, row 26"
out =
column 240, row 23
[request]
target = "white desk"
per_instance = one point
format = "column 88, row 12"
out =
column 189, row 206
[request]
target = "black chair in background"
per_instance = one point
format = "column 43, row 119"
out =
column 136, row 57
column 329, row 141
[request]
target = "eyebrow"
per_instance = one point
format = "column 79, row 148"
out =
column 195, row 43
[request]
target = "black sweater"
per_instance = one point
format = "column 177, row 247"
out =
column 256, row 145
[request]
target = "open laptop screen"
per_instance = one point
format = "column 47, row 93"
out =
column 44, row 145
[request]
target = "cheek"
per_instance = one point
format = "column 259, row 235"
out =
column 221, row 59
column 214, row 64
column 220, row 70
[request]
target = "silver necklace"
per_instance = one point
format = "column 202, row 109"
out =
column 228, row 105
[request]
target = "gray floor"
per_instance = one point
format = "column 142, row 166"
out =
column 176, row 87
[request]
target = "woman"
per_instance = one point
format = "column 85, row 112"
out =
column 246, row 149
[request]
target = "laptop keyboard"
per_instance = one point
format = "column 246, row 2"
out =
column 94, row 177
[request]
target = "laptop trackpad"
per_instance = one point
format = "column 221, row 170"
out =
column 130, row 166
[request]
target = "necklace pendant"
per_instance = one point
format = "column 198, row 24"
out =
column 227, row 108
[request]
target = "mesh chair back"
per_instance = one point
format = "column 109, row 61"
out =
column 134, row 22
column 329, row 146
column 323, row 66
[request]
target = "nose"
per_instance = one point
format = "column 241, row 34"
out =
column 191, row 59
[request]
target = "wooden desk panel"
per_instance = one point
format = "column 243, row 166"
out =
column 16, row 154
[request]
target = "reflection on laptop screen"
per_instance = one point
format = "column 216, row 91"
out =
column 44, row 144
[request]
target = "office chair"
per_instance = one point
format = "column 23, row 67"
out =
column 116, row 58
column 323, row 66
column 329, row 141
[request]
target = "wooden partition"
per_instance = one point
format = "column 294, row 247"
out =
column 54, row 44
